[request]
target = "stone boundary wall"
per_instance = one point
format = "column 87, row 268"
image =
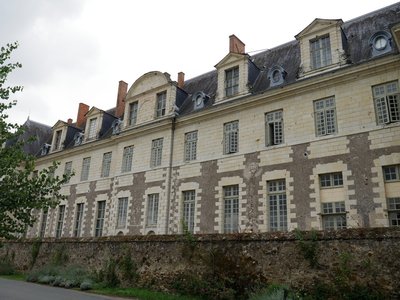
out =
column 369, row 256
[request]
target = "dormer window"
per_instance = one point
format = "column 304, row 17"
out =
column 78, row 137
column 199, row 100
column 57, row 140
column 133, row 110
column 161, row 101
column 381, row 43
column 92, row 129
column 231, row 81
column 45, row 149
column 116, row 126
column 276, row 76
column 320, row 52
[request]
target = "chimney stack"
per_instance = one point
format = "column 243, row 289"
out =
column 122, row 91
column 69, row 121
column 181, row 79
column 236, row 45
column 82, row 110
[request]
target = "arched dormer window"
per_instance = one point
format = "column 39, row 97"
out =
column 45, row 149
column 78, row 138
column 276, row 76
column 381, row 43
column 199, row 99
column 116, row 126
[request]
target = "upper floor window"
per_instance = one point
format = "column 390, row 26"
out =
column 190, row 145
column 92, row 129
column 320, row 52
column 325, row 116
column 273, row 128
column 331, row 179
column 133, row 110
column 105, row 166
column 231, row 81
column 161, row 100
column 391, row 173
column 231, row 137
column 85, row 168
column 387, row 102
column 57, row 140
column 156, row 152
column 127, row 156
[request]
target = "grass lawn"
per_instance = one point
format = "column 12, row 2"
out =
column 141, row 294
column 19, row 277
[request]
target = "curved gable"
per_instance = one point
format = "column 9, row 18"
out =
column 148, row 82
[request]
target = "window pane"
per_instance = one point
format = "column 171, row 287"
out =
column 189, row 210
column 85, row 168
column 101, row 207
column 122, row 212
column 231, row 209
column 78, row 219
column 277, row 205
column 127, row 156
column 105, row 169
column 60, row 220
column 152, row 209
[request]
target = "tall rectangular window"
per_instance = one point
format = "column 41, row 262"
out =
column 325, row 116
column 156, row 152
column 394, row 211
column 231, row 208
column 191, row 145
column 101, row 209
column 277, row 205
column 320, row 51
column 92, row 129
column 161, row 102
column 231, row 137
column 273, row 128
column 133, row 110
column 331, row 180
column 57, row 140
column 231, row 81
column 43, row 223
column 333, row 215
column 60, row 220
column 78, row 219
column 189, row 205
column 127, row 156
column 105, row 166
column 152, row 209
column 122, row 212
column 68, row 168
column 387, row 102
column 85, row 168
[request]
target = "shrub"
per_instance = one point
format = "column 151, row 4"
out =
column 86, row 285
column 6, row 268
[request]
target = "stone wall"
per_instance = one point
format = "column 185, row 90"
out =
column 369, row 256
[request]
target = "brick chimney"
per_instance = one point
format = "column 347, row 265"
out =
column 69, row 121
column 122, row 91
column 82, row 110
column 236, row 45
column 181, row 79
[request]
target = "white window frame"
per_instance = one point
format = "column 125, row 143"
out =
column 191, row 145
column 68, row 169
column 60, row 220
column 325, row 116
column 133, row 111
column 189, row 210
column 231, row 137
column 156, row 152
column 100, row 215
column 127, row 157
column 331, row 180
column 232, row 81
column 320, row 52
column 152, row 209
column 391, row 173
column 387, row 102
column 161, row 104
column 333, row 215
column 43, row 223
column 274, row 128
column 393, row 208
column 78, row 219
column 231, row 208
column 85, row 168
column 122, row 212
column 106, row 164
column 277, row 205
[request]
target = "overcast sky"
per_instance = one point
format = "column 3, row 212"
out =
column 77, row 50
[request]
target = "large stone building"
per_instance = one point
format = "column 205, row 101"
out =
column 305, row 135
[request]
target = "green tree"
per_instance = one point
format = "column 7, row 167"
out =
column 22, row 190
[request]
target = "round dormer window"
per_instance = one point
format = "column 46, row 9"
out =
column 380, row 42
column 276, row 76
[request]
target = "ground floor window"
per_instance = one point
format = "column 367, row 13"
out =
column 394, row 211
column 277, row 205
column 231, row 208
column 333, row 215
column 189, row 210
column 101, row 209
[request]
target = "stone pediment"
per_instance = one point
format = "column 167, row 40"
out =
column 93, row 111
column 317, row 26
column 59, row 124
column 230, row 58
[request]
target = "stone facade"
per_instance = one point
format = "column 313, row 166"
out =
column 320, row 165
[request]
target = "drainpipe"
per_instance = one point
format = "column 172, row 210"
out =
column 169, row 180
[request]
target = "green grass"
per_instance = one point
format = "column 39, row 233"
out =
column 19, row 277
column 141, row 294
